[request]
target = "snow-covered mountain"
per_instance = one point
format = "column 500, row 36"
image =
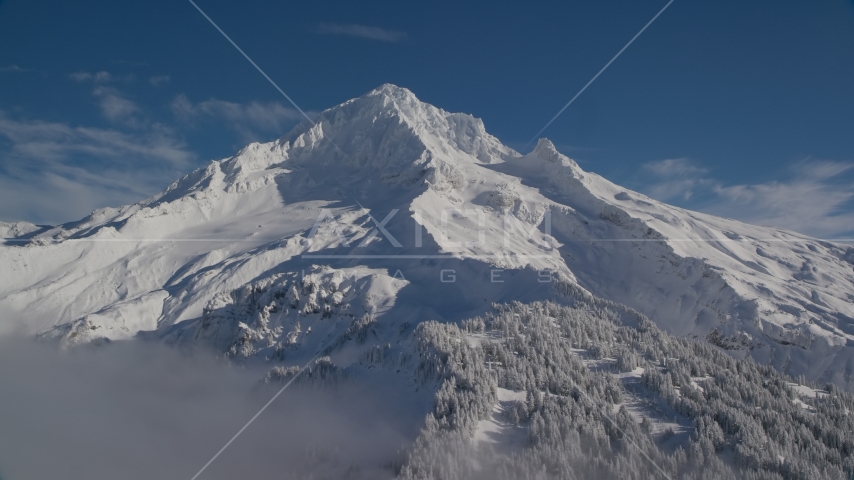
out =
column 391, row 211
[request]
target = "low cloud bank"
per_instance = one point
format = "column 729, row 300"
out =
column 136, row 410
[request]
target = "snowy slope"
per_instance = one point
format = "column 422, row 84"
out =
column 19, row 230
column 454, row 203
column 782, row 297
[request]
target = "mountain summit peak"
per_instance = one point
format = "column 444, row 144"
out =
column 547, row 151
column 388, row 127
column 391, row 90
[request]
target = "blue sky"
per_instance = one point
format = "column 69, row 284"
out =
column 739, row 108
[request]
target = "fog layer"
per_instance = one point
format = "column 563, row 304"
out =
column 137, row 410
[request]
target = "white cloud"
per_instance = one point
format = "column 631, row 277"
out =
column 13, row 69
column 114, row 106
column 53, row 172
column 98, row 77
column 676, row 178
column 159, row 80
column 50, row 141
column 670, row 167
column 815, row 197
column 362, row 31
column 250, row 120
column 104, row 412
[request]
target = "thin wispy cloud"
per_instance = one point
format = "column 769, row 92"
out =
column 675, row 178
column 814, row 197
column 97, row 77
column 251, row 121
column 362, row 31
column 13, row 69
column 54, row 172
column 159, row 80
column 114, row 106
column 42, row 141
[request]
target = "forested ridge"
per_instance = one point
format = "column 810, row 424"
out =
column 590, row 412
